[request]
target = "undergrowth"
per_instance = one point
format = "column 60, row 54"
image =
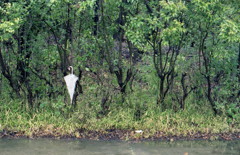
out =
column 63, row 120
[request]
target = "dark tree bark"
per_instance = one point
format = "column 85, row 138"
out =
column 165, row 73
column 238, row 67
column 119, row 73
column 7, row 74
column 96, row 18
column 185, row 91
column 78, row 89
column 207, row 68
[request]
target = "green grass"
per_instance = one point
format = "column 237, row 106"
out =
column 59, row 121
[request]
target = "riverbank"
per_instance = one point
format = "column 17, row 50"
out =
column 120, row 123
column 122, row 135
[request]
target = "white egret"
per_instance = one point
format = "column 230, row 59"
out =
column 71, row 80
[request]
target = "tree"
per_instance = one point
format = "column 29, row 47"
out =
column 161, row 28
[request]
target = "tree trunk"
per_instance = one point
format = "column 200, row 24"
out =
column 239, row 67
column 161, row 92
column 6, row 73
column 96, row 18
column 209, row 94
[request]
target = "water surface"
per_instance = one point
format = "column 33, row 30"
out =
column 77, row 147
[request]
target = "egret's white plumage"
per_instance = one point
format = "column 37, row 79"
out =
column 71, row 80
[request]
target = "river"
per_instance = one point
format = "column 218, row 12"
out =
column 87, row 147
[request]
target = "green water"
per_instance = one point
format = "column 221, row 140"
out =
column 77, row 147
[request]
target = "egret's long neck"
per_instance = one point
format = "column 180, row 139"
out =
column 71, row 69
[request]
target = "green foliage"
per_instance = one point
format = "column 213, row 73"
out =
column 48, row 122
column 192, row 47
column 12, row 16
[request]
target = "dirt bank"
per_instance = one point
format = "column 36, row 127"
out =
column 115, row 134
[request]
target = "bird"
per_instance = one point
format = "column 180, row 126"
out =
column 71, row 80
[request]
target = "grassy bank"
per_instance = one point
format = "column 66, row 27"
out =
column 56, row 120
